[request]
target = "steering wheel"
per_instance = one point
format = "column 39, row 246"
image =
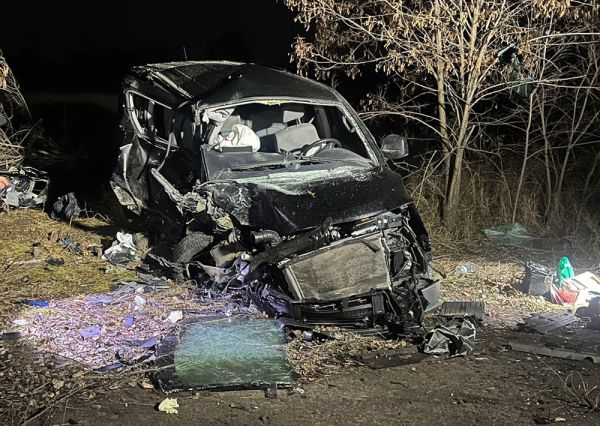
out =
column 317, row 146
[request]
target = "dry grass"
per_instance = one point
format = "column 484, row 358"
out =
column 12, row 104
column 80, row 274
column 497, row 284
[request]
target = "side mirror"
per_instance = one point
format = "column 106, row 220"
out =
column 394, row 147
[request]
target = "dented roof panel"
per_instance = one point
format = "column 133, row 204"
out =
column 216, row 82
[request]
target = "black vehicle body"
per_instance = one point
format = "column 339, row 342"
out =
column 276, row 186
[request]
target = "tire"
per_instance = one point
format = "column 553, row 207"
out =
column 190, row 246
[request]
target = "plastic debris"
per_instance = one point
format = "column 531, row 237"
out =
column 53, row 261
column 465, row 269
column 297, row 390
column 175, row 316
column 451, row 340
column 128, row 321
column 564, row 270
column 65, row 207
column 576, row 292
column 169, row 406
column 537, row 279
column 122, row 251
column 68, row 243
column 90, row 332
column 37, row 303
column 139, row 301
column 99, row 299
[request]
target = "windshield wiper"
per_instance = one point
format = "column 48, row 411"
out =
column 277, row 165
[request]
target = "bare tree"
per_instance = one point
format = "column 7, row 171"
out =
column 458, row 55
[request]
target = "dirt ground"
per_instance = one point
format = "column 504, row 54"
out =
column 493, row 385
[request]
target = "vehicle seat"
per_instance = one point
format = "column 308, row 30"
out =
column 295, row 137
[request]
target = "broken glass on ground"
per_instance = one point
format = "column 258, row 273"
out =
column 225, row 353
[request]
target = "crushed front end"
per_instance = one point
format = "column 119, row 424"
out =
column 372, row 275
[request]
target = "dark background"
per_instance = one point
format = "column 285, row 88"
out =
column 69, row 58
column 87, row 46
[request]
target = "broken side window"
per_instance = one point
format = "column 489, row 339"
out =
column 151, row 119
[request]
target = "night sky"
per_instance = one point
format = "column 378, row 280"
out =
column 88, row 46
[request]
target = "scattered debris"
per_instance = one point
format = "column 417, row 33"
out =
column 109, row 330
column 65, row 208
column 548, row 321
column 465, row 269
column 514, row 235
column 537, row 279
column 457, row 340
column 564, row 270
column 169, row 406
column 540, row 349
column 122, row 251
column 175, row 316
column 68, row 244
column 474, row 310
column 37, row 303
column 27, row 188
column 576, row 292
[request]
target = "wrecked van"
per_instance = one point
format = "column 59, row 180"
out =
column 271, row 183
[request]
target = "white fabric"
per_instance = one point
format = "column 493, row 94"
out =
column 240, row 135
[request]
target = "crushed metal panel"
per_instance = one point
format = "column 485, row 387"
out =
column 554, row 352
column 343, row 269
column 548, row 321
column 463, row 310
column 225, row 353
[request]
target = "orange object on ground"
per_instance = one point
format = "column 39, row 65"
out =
column 3, row 182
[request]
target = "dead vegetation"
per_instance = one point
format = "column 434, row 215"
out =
column 580, row 390
column 508, row 93
column 14, row 119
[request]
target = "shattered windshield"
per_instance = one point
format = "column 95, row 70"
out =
column 259, row 136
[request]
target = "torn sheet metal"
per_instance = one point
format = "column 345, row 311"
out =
column 453, row 341
column 541, row 349
column 548, row 321
column 27, row 188
column 225, row 353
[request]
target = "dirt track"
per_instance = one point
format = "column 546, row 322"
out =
column 490, row 387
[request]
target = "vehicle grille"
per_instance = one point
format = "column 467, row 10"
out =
column 346, row 268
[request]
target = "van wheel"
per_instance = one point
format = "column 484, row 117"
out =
column 190, row 246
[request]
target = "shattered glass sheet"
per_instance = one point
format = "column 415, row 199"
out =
column 111, row 330
column 226, row 353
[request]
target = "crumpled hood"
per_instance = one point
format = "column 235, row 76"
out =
column 298, row 203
